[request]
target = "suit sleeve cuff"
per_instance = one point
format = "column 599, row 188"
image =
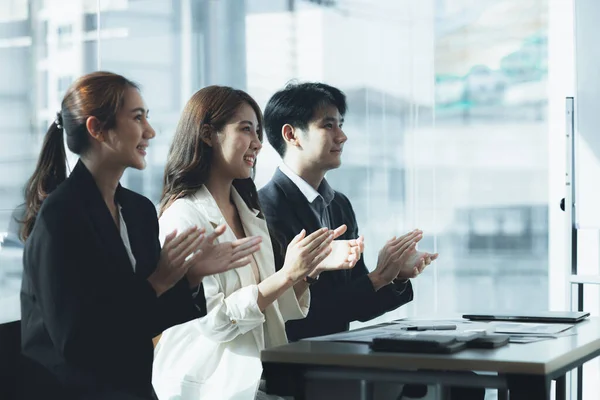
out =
column 400, row 285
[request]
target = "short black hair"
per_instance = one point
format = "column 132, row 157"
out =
column 297, row 104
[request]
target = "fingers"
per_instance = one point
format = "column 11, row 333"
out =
column 298, row 237
column 184, row 239
column 325, row 244
column 193, row 261
column 404, row 252
column 403, row 240
column 395, row 240
column 315, row 239
column 339, row 231
column 415, row 272
column 350, row 264
column 219, row 230
column 346, row 265
column 355, row 254
column 313, row 236
column 358, row 243
column 408, row 274
column 184, row 252
column 243, row 244
column 321, row 256
column 422, row 266
column 169, row 238
column 176, row 241
column 244, row 253
column 239, row 263
column 404, row 247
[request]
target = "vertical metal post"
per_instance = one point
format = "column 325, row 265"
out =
column 571, row 221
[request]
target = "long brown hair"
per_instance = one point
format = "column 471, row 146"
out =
column 190, row 158
column 99, row 94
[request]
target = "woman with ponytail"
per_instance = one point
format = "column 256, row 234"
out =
column 96, row 286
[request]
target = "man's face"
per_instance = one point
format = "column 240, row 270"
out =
column 323, row 141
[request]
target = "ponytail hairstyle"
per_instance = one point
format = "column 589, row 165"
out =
column 99, row 94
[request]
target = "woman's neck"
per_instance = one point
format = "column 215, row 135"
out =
column 107, row 178
column 220, row 189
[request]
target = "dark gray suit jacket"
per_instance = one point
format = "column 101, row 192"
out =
column 338, row 297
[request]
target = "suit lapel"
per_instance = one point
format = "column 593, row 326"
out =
column 255, row 226
column 208, row 206
column 100, row 216
column 204, row 200
column 299, row 203
column 265, row 262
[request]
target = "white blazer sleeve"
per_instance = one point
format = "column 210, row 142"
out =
column 227, row 317
column 292, row 307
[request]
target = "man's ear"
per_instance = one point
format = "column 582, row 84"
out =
column 94, row 127
column 290, row 135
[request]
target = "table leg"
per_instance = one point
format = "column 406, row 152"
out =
column 285, row 379
column 580, row 382
column 367, row 390
column 561, row 388
column 502, row 394
column 444, row 393
column 528, row 387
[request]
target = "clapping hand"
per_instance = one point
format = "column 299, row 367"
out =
column 305, row 253
column 415, row 264
column 215, row 257
column 344, row 253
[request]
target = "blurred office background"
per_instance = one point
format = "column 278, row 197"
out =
column 455, row 121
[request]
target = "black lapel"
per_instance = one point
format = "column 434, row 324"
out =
column 100, row 216
column 298, row 202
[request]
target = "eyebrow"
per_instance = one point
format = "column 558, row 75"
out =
column 332, row 119
column 140, row 109
column 246, row 122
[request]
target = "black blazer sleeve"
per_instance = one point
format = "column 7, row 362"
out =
column 374, row 303
column 83, row 312
column 179, row 304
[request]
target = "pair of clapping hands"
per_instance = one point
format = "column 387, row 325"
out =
column 398, row 259
column 195, row 255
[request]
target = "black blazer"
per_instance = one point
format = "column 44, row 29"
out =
column 85, row 315
column 338, row 297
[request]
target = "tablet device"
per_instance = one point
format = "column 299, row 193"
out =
column 417, row 344
column 569, row 317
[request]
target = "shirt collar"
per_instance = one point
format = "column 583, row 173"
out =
column 325, row 191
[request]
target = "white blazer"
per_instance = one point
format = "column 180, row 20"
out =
column 218, row 356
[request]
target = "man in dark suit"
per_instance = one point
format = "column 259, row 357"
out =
column 304, row 124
